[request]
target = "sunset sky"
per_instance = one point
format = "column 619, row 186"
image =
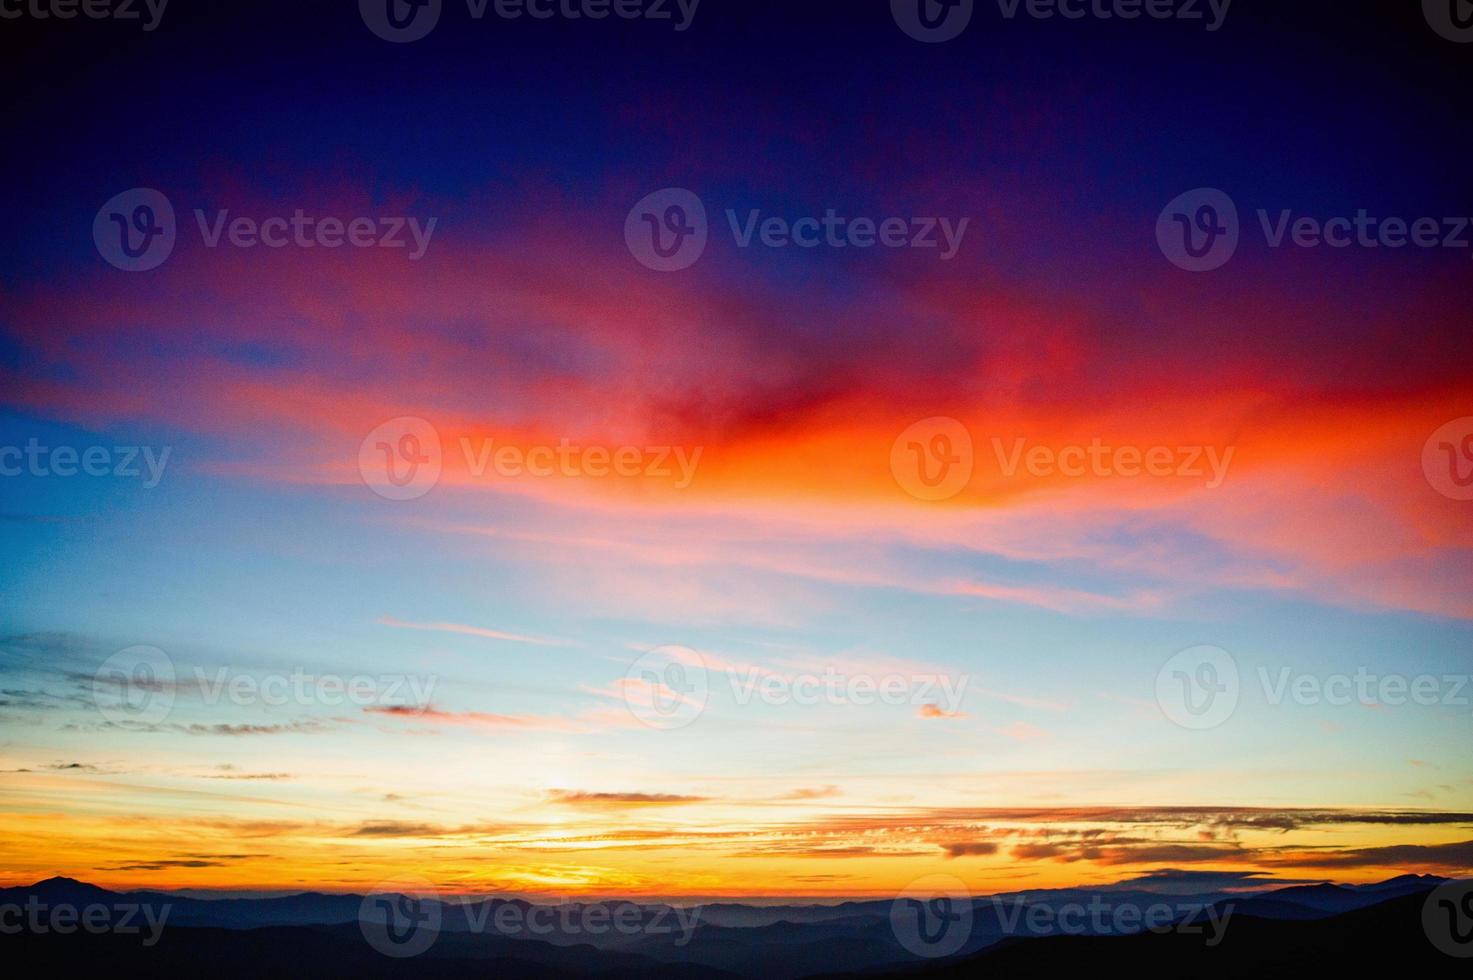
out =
column 790, row 546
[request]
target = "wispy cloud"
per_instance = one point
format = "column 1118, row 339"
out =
column 582, row 798
column 480, row 631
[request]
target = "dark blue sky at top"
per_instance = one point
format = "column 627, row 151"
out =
column 1069, row 131
column 1306, row 103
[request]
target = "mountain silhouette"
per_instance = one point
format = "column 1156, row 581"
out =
column 1386, row 936
column 1283, row 932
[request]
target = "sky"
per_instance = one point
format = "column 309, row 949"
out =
column 507, row 557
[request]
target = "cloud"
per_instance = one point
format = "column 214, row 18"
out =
column 581, row 798
column 261, row 776
column 1197, row 882
column 167, row 865
column 1021, row 731
column 399, row 828
column 484, row 633
column 305, row 727
column 391, row 829
column 851, row 851
column 38, row 700
column 477, row 719
column 747, row 385
column 936, row 711
column 811, row 793
column 1160, row 836
column 1456, row 856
